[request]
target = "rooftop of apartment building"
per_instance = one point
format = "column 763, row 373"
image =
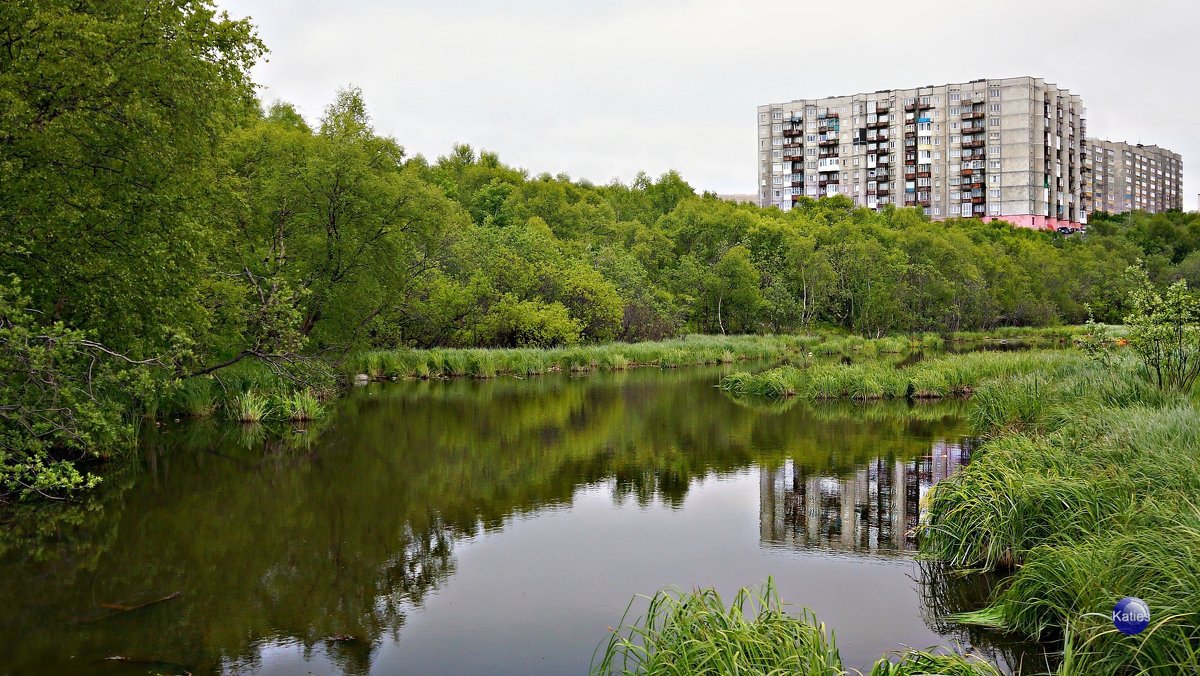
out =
column 1002, row 81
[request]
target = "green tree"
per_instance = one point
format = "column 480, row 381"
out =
column 330, row 234
column 110, row 113
column 109, row 116
column 733, row 291
column 1164, row 331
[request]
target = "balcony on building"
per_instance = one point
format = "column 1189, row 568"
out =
column 973, row 115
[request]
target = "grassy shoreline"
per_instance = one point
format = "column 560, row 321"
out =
column 695, row 350
column 951, row 375
column 252, row 392
column 1084, row 492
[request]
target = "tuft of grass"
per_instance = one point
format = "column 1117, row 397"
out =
column 196, row 398
column 250, row 407
column 927, row 663
column 695, row 633
column 301, row 406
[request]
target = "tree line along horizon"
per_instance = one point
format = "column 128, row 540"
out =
column 160, row 221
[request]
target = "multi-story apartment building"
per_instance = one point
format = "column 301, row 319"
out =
column 1011, row 148
column 1128, row 177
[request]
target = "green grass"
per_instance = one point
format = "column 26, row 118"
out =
column 489, row 363
column 249, row 407
column 196, row 398
column 926, row 663
column 1086, row 492
column 694, row 632
column 1086, row 489
column 300, row 406
column 950, row 375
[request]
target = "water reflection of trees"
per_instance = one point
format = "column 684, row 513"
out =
column 873, row 509
column 310, row 535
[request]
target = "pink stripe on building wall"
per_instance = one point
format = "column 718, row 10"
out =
column 1035, row 222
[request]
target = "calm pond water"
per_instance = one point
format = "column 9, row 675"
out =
column 483, row 527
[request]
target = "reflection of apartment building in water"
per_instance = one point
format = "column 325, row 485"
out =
column 1011, row 148
column 1127, row 177
column 874, row 510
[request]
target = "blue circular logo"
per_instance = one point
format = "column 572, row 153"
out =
column 1131, row 615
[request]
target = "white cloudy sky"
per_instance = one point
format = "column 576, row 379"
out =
column 601, row 89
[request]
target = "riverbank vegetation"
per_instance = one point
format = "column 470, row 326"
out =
column 688, row 633
column 1084, row 491
column 163, row 224
column 951, row 375
column 488, row 363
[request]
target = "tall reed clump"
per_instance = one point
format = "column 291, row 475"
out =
column 696, row 633
column 1085, row 492
column 301, row 406
column 249, row 407
column 196, row 398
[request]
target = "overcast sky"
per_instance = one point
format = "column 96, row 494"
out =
column 600, row 90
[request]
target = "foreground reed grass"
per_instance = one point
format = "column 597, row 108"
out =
column 696, row 633
column 488, row 363
column 1086, row 492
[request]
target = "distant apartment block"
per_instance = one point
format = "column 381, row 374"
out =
column 1011, row 148
column 1128, row 177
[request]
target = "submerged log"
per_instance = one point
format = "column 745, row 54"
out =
column 115, row 609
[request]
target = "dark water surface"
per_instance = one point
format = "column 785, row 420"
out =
column 482, row 527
